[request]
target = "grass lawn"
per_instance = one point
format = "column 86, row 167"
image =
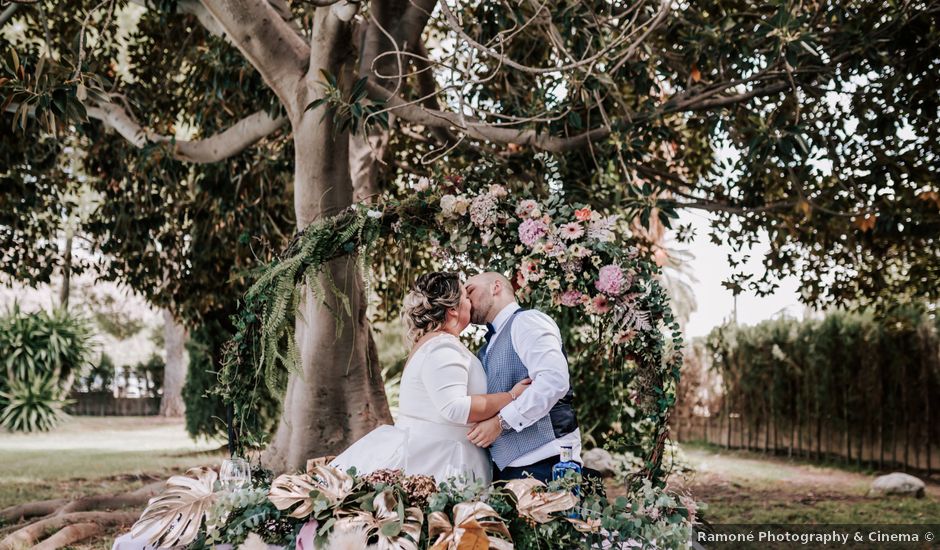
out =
column 745, row 487
column 96, row 455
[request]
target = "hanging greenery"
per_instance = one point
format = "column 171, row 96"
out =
column 580, row 265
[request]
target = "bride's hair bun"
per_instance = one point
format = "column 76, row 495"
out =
column 425, row 307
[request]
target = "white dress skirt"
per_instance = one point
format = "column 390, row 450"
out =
column 430, row 434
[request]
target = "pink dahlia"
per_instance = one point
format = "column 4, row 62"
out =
column 530, row 231
column 610, row 280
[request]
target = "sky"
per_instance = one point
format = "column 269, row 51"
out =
column 716, row 303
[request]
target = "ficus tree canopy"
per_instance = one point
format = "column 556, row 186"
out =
column 201, row 122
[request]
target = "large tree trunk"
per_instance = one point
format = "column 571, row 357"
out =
column 339, row 396
column 174, row 374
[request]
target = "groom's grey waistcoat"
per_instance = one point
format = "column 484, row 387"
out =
column 504, row 369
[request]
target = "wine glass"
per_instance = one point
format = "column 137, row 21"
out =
column 235, row 474
column 462, row 475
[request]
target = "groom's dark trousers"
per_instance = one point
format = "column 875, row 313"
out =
column 541, row 470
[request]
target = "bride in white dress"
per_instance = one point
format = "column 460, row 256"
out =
column 443, row 393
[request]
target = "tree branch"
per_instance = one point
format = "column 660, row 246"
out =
column 740, row 210
column 8, row 13
column 195, row 8
column 696, row 104
column 417, row 114
column 221, row 146
column 269, row 43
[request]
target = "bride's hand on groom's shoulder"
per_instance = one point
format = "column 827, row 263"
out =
column 484, row 433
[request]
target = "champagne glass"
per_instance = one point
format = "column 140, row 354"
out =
column 235, row 474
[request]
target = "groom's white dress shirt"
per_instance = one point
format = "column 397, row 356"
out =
column 537, row 341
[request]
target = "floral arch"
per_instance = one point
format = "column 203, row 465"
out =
column 577, row 264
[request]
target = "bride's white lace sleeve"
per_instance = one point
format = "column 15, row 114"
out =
column 445, row 374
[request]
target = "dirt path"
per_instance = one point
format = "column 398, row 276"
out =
column 748, row 487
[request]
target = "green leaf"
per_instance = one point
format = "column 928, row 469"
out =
column 359, row 89
column 314, row 104
column 391, row 529
column 574, row 119
column 328, row 76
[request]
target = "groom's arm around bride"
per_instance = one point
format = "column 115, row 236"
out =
column 527, row 435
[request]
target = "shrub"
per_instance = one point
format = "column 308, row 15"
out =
column 206, row 413
column 860, row 385
column 33, row 405
column 42, row 353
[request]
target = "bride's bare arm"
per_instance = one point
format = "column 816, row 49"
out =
column 483, row 406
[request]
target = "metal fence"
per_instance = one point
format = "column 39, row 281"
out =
column 105, row 404
column 878, row 451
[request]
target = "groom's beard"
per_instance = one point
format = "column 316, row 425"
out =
column 477, row 317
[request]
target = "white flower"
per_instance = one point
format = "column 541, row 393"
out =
column 423, row 184
column 448, row 203
column 526, row 207
column 374, row 214
column 553, row 284
column 498, row 191
column 579, row 251
column 461, row 204
column 601, row 228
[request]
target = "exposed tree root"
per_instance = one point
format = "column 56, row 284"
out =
column 69, row 535
column 32, row 509
column 79, row 523
column 61, row 506
column 70, row 521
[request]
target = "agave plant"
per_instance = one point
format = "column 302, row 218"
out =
column 35, row 405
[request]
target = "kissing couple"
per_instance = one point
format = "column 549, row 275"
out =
column 505, row 413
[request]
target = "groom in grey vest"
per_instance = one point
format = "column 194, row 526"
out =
column 527, row 435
